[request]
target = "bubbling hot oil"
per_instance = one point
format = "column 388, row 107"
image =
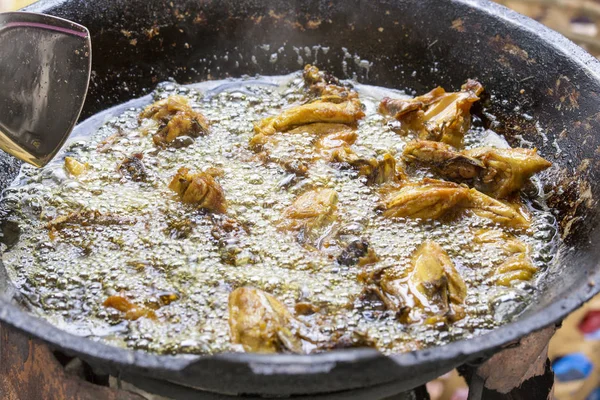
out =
column 66, row 280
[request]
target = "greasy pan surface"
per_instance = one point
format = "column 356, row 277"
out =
column 402, row 44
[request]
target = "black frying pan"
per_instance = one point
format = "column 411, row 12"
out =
column 417, row 44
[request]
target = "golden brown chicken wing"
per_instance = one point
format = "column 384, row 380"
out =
column 311, row 210
column 176, row 118
column 398, row 108
column 437, row 115
column 506, row 170
column 261, row 323
column 429, row 199
column 200, row 189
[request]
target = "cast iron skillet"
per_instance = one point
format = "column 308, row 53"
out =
column 525, row 68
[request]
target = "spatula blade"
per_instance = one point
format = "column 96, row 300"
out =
column 45, row 66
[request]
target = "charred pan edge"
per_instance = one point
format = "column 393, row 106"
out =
column 284, row 371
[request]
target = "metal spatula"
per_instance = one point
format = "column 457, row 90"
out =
column 45, row 65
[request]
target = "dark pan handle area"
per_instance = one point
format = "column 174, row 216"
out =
column 541, row 89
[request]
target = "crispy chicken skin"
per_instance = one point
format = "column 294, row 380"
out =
column 437, row 115
column 517, row 266
column 200, row 189
column 176, row 118
column 433, row 285
column 506, row 170
column 311, row 210
column 398, row 108
column 431, row 199
column 261, row 323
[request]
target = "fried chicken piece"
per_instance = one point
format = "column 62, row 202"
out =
column 312, row 210
column 518, row 265
column 200, row 189
column 444, row 159
column 75, row 167
column 328, row 138
column 261, row 323
column 433, row 285
column 377, row 171
column 434, row 280
column 437, row 115
column 132, row 167
column 326, row 86
column 176, row 118
column 498, row 172
column 399, row 108
column 347, row 112
column 506, row 170
column 429, row 199
column 131, row 310
column 511, row 215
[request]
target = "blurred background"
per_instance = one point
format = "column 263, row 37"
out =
column 575, row 349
